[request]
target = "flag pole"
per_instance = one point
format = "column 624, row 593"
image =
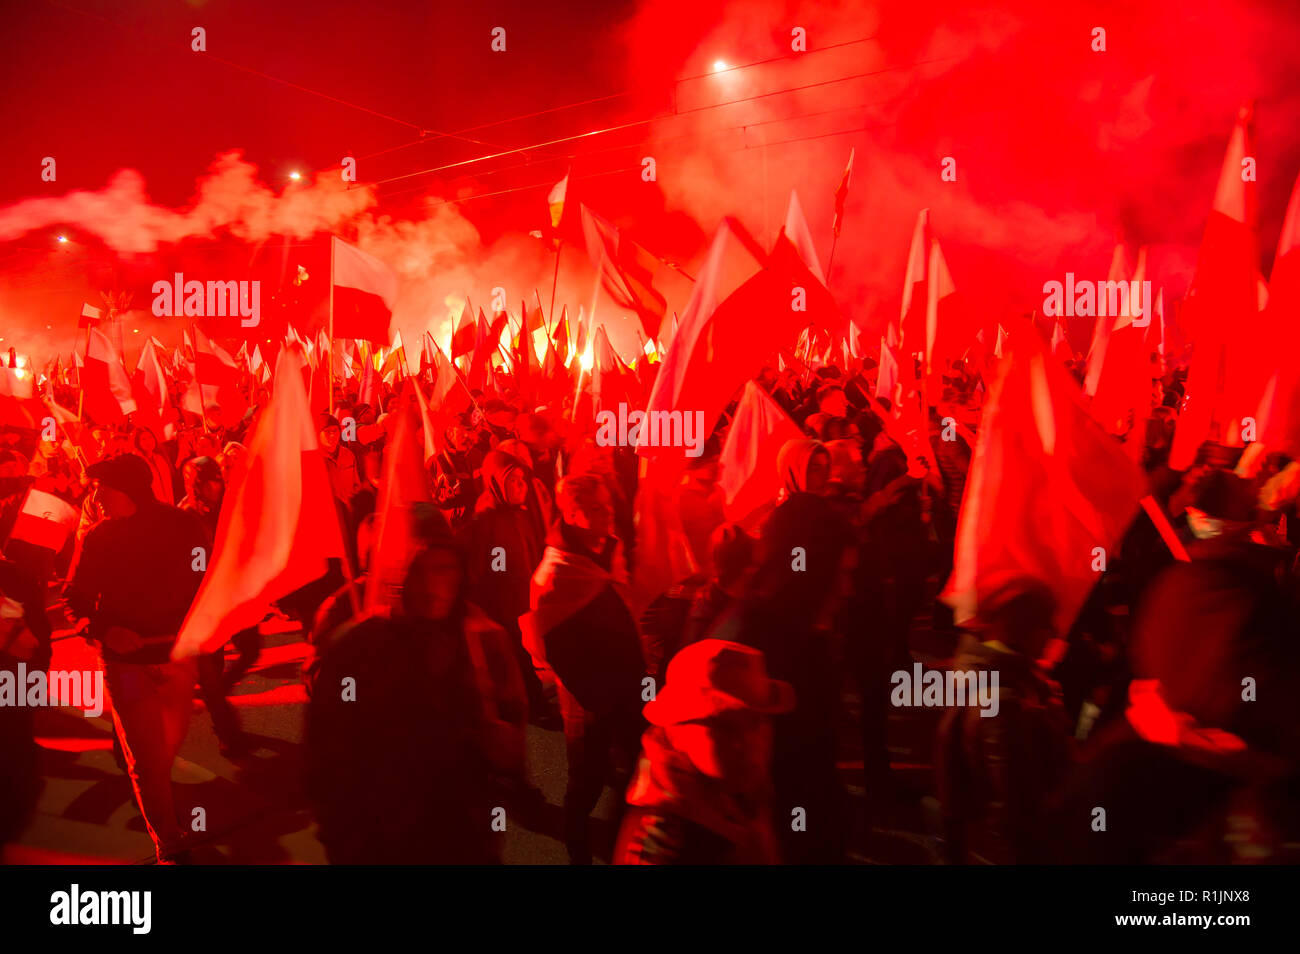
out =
column 330, row 377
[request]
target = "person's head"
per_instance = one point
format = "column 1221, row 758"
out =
column 145, row 441
column 732, row 550
column 120, row 485
column 500, row 414
column 804, row 466
column 212, row 414
column 715, row 709
column 1016, row 612
column 433, row 589
column 1221, row 503
column 585, row 505
column 233, row 461
column 204, row 483
column 330, row 432
column 505, row 478
column 832, row 400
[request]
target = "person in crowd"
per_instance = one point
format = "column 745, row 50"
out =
column 134, row 582
column 703, row 789
column 146, row 446
column 413, row 718
column 999, row 765
column 580, row 629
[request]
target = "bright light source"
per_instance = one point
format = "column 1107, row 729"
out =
column 20, row 373
column 63, row 238
column 135, row 331
column 295, row 175
column 588, row 359
column 719, row 65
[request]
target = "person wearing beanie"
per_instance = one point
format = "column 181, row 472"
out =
column 134, row 582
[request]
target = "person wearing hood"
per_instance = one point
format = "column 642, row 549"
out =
column 135, row 581
column 703, row 789
column 804, row 467
column 503, row 546
column 580, row 629
column 413, row 720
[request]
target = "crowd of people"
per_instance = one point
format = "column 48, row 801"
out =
column 714, row 709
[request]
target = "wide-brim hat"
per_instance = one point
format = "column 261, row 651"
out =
column 714, row 676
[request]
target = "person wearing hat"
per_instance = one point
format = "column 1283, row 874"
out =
column 134, row 582
column 702, row 789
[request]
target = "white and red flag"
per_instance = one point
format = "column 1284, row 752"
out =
column 44, row 520
column 279, row 526
column 1221, row 312
column 747, row 473
column 1049, row 494
column 365, row 293
column 104, row 383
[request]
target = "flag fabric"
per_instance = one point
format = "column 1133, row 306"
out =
column 1049, row 495
column 1060, row 347
column 887, row 373
column 930, row 322
column 405, row 485
column 365, row 293
column 1278, row 416
column 104, row 384
column 216, row 376
column 626, row 270
column 90, row 316
column 149, row 389
column 18, row 404
column 800, row 235
column 1121, row 403
column 278, row 528
column 1221, row 312
column 462, row 341
column 555, row 200
column 748, row 474
column 44, row 520
column 842, row 194
column 1102, row 324
column 449, row 396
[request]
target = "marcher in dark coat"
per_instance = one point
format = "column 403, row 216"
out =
column 580, row 628
column 801, row 569
column 996, row 773
column 411, row 720
column 1213, row 716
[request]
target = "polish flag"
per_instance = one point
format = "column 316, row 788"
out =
column 45, row 520
column 1221, row 312
column 90, row 315
column 365, row 293
column 1278, row 416
column 1049, row 494
column 1122, row 401
column 18, row 405
column 1102, row 325
column 149, row 388
column 404, row 486
column 104, row 382
column 929, row 322
column 748, row 474
column 279, row 526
